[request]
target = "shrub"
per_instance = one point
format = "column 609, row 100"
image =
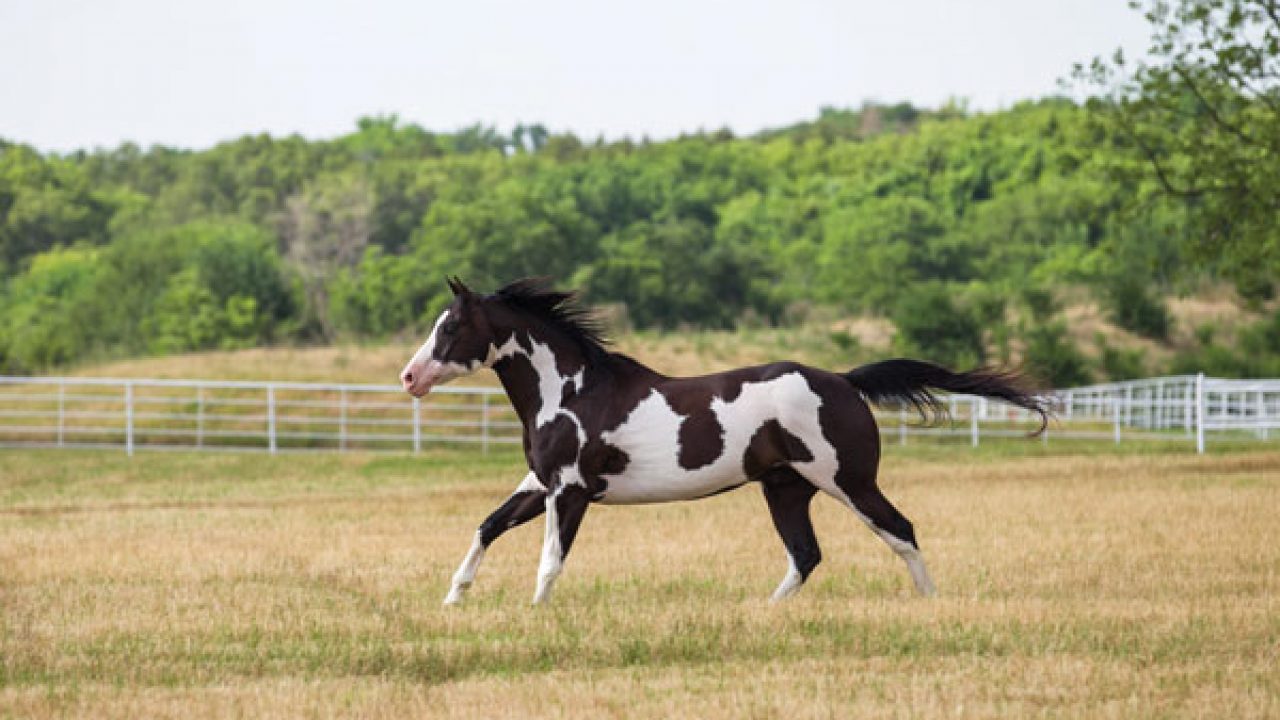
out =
column 1053, row 358
column 933, row 327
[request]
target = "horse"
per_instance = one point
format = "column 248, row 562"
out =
column 600, row 427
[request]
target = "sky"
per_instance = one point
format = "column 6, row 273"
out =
column 94, row 73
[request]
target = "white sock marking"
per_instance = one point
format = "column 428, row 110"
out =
column 552, row 559
column 466, row 572
column 790, row 583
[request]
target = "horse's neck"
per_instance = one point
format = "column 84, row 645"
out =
column 539, row 395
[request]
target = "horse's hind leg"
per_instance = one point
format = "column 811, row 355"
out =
column 892, row 527
column 788, row 495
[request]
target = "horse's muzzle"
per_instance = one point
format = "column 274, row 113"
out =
column 418, row 379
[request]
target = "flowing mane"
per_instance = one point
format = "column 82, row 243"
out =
column 558, row 309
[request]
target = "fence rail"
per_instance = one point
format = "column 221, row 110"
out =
column 137, row 414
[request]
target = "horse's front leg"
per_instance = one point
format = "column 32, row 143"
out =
column 525, row 504
column 565, row 507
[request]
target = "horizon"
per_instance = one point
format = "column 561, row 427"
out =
column 83, row 78
column 402, row 122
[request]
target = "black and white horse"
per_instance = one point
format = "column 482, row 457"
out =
column 601, row 427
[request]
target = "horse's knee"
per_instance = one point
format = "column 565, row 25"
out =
column 805, row 559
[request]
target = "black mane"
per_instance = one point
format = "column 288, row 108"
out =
column 559, row 309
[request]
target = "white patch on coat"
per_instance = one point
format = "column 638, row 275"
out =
column 650, row 437
column 509, row 348
column 550, row 382
column 531, row 484
column 423, row 364
column 429, row 347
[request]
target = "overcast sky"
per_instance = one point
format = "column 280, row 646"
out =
column 86, row 73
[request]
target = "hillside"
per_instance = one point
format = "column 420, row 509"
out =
column 838, row 344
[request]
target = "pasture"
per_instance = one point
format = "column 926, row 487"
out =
column 1074, row 582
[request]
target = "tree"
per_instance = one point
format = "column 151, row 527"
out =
column 325, row 228
column 1203, row 119
column 931, row 325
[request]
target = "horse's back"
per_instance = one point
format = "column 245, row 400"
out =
column 696, row 436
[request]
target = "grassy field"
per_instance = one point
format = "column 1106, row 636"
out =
column 1071, row 585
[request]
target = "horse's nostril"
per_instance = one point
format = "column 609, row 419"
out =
column 407, row 377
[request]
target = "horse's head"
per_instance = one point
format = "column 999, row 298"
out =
column 460, row 343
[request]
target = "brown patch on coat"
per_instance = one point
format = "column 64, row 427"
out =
column 772, row 446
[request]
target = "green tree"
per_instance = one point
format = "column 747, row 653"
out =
column 1202, row 119
column 933, row 326
column 42, row 312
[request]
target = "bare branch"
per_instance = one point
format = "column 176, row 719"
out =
column 1272, row 11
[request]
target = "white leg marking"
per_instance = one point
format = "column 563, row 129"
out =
column 530, row 483
column 915, row 562
column 790, row 584
column 552, row 559
column 466, row 572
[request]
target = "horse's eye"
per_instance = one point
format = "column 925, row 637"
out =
column 450, row 327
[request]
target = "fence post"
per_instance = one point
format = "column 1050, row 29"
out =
column 417, row 427
column 484, row 423
column 1188, row 397
column 62, row 409
column 902, row 426
column 973, row 422
column 1200, row 413
column 1115, row 412
column 1160, row 410
column 342, row 419
column 1262, row 414
column 128, row 418
column 199, row 416
column 271, row 418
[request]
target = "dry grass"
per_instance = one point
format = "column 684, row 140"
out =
column 308, row 586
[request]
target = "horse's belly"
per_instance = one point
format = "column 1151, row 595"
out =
column 650, row 485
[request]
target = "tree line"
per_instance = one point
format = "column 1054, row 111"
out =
column 967, row 230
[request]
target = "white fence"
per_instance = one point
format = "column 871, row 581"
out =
column 271, row 416
column 189, row 414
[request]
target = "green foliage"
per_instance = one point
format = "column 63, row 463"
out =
column 1119, row 364
column 942, row 220
column 1131, row 305
column 932, row 326
column 1051, row 356
column 1256, row 352
column 45, row 321
column 1197, row 121
column 198, row 286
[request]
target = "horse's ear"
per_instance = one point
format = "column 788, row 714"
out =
column 457, row 286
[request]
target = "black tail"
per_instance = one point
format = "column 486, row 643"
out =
column 908, row 382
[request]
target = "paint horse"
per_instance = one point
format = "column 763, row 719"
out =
column 599, row 427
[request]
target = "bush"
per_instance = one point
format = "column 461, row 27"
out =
column 1120, row 364
column 1051, row 357
column 933, row 327
column 1132, row 305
